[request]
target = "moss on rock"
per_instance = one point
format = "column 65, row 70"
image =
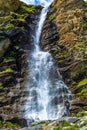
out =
column 81, row 114
column 82, row 82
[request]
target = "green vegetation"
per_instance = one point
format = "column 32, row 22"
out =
column 17, row 15
column 83, row 93
column 60, row 61
column 1, row 85
column 81, row 114
column 12, row 125
column 85, row 3
column 51, row 17
column 42, row 122
column 82, row 83
column 65, row 123
column 12, row 54
column 74, row 83
column 84, row 123
column 67, row 128
column 2, row 37
column 8, row 70
column 57, row 128
column 84, row 25
column 16, row 47
column 8, row 26
column 29, row 9
column 8, row 59
column 1, row 124
column 2, row 96
column 71, row 128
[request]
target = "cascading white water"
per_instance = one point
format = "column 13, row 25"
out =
column 45, row 87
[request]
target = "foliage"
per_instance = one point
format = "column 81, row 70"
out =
column 42, row 122
column 84, row 25
column 82, row 93
column 1, row 124
column 8, row 70
column 8, row 26
column 71, row 128
column 29, row 9
column 51, row 17
column 65, row 123
column 1, row 96
column 9, row 124
column 1, row 85
column 12, row 54
column 81, row 114
column 85, row 3
column 16, row 47
column 60, row 61
column 57, row 128
column 82, row 83
column 8, row 59
column 84, row 123
column 67, row 128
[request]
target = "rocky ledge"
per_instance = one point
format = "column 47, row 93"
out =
column 65, row 123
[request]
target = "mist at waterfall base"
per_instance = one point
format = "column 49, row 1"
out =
column 45, row 87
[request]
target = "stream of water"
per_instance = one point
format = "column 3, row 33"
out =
column 45, row 87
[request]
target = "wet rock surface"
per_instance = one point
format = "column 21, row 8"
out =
column 64, row 35
column 17, row 27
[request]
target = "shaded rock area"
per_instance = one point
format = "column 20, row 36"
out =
column 17, row 27
column 65, row 36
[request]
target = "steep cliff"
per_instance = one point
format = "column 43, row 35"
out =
column 17, row 25
column 64, row 35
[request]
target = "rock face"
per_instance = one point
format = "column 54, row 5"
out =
column 64, row 35
column 17, row 26
column 9, row 5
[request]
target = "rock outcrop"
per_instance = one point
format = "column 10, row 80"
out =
column 17, row 25
column 64, row 35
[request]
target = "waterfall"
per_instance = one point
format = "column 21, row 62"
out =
column 45, row 87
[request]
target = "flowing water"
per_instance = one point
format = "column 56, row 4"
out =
column 45, row 87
